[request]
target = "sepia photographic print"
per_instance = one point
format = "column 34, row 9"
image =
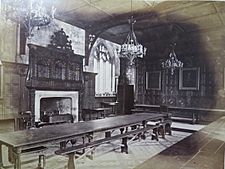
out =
column 112, row 84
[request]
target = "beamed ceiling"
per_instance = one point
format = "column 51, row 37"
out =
column 109, row 17
column 166, row 21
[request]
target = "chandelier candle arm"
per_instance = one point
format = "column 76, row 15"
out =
column 31, row 13
column 131, row 49
column 172, row 62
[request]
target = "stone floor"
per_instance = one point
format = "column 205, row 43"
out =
column 108, row 156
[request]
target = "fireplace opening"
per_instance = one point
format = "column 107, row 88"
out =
column 54, row 106
column 50, row 103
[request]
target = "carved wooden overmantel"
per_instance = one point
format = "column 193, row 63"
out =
column 55, row 67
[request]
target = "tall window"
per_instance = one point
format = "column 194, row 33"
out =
column 105, row 68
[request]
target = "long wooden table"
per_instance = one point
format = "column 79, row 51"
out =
column 195, row 111
column 61, row 133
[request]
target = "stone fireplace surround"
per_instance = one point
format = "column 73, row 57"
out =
column 54, row 72
column 39, row 94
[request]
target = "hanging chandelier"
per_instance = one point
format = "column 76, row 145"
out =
column 131, row 49
column 172, row 62
column 30, row 13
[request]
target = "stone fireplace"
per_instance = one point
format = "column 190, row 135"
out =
column 55, row 79
column 60, row 102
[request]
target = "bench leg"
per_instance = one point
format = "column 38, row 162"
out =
column 71, row 161
column 41, row 164
column 124, row 147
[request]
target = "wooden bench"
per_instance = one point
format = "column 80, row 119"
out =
column 184, row 119
column 165, row 126
column 183, row 114
column 71, row 151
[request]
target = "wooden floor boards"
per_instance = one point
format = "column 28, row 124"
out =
column 202, row 150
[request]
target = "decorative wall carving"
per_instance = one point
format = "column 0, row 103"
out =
column 54, row 68
column 60, row 40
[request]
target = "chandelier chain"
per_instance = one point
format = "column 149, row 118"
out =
column 131, row 49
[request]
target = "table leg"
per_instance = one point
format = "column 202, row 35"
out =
column 144, row 124
column 83, row 139
column 197, row 117
column 10, row 155
column 124, row 147
column 168, row 129
column 1, row 155
column 107, row 134
column 193, row 118
column 90, row 139
column 155, row 134
column 71, row 161
column 17, row 158
column 163, row 131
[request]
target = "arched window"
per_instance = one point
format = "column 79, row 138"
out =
column 104, row 66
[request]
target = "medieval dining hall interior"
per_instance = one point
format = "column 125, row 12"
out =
column 112, row 84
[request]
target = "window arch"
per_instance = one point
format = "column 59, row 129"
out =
column 104, row 66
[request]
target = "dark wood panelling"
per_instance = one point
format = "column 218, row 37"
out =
column 15, row 95
column 140, row 81
column 211, row 93
column 89, row 90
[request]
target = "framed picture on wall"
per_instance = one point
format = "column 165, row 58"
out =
column 189, row 78
column 153, row 80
